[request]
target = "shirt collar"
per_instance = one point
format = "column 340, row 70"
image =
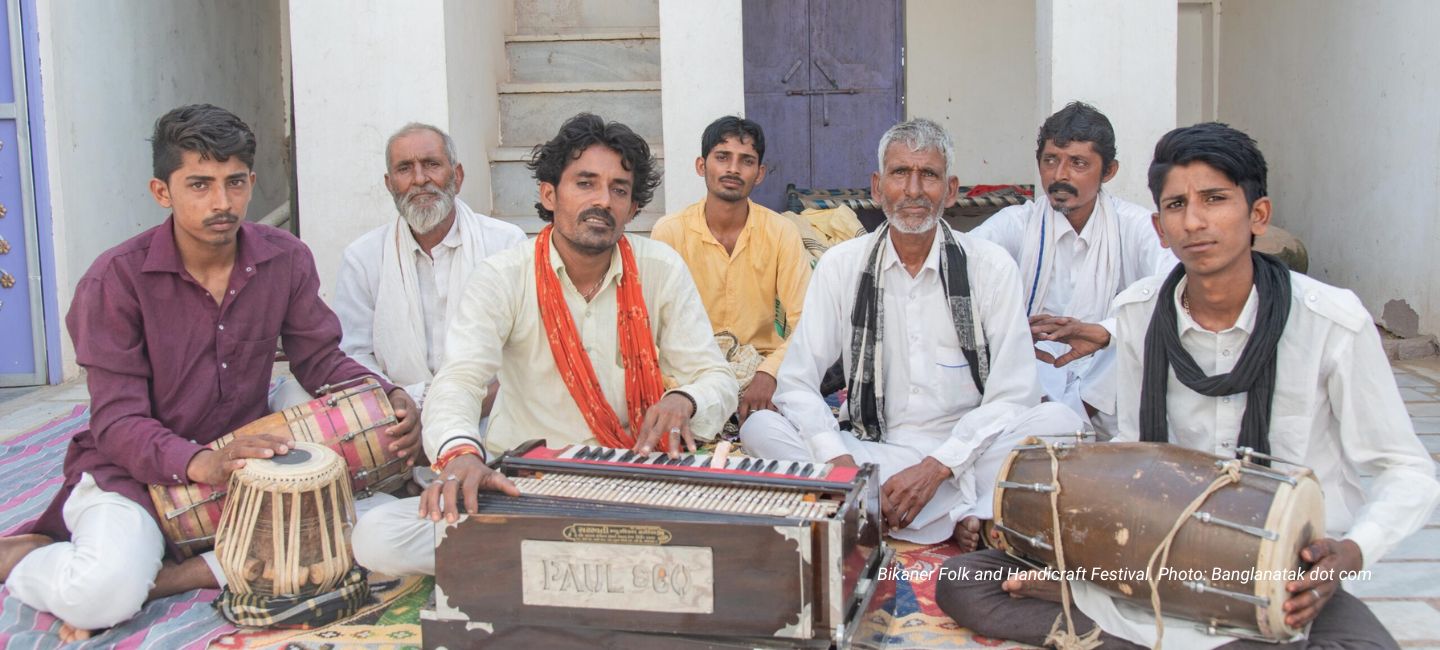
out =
column 613, row 273
column 932, row 259
column 163, row 255
column 1245, row 322
column 694, row 218
column 451, row 240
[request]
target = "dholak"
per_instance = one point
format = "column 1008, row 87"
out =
column 1229, row 561
column 350, row 420
column 285, row 527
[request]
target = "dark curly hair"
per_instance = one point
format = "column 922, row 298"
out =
column 1079, row 122
column 213, row 132
column 581, row 132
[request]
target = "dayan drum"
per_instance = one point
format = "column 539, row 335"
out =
column 350, row 419
column 1229, row 560
column 285, row 527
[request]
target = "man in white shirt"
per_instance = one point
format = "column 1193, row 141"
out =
column 1244, row 317
column 397, row 281
column 935, row 346
column 592, row 325
column 1077, row 246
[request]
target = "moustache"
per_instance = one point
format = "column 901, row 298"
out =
column 915, row 203
column 737, row 179
column 600, row 213
column 228, row 217
column 1061, row 186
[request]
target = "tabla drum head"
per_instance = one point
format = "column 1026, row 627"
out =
column 305, row 460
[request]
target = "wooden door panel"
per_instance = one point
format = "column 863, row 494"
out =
column 786, row 120
column 856, row 43
column 843, row 153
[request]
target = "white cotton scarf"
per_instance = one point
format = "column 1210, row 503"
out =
column 1103, row 266
column 399, row 316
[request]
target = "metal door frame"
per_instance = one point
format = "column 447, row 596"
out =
column 19, row 111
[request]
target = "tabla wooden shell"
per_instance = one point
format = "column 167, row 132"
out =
column 1117, row 501
column 350, row 421
column 286, row 525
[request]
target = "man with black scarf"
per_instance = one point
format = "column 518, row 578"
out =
column 1233, row 350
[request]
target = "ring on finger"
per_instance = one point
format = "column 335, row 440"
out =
column 452, row 477
column 1316, row 593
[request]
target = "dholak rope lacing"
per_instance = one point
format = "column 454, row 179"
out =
column 1229, row 473
column 1066, row 640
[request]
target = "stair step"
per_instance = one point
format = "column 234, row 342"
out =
column 529, row 118
column 570, row 87
column 514, row 191
column 614, row 35
column 584, row 62
column 522, row 154
column 541, row 16
column 531, row 223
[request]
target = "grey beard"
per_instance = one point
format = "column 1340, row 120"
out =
column 422, row 219
column 925, row 226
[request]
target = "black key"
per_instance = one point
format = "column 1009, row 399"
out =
column 688, row 461
column 625, row 457
column 809, row 469
column 770, row 469
column 583, row 454
column 744, row 464
column 609, row 453
column 794, row 467
column 660, row 458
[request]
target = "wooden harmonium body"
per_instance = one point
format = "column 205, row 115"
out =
column 604, row 544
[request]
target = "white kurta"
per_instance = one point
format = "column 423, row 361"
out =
column 448, row 265
column 932, row 406
column 1336, row 410
column 1065, row 273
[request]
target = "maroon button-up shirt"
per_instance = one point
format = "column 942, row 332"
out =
column 169, row 370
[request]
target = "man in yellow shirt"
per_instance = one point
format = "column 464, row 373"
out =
column 748, row 262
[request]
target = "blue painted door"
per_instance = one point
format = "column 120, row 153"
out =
column 824, row 78
column 22, row 332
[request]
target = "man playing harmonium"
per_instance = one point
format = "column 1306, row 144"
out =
column 397, row 282
column 1298, row 373
column 1077, row 246
column 936, row 348
column 587, row 325
column 748, row 262
column 176, row 329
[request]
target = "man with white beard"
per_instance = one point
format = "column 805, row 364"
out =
column 936, row 350
column 397, row 281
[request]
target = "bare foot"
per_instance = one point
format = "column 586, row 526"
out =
column 174, row 578
column 14, row 549
column 1032, row 584
column 967, row 534
column 71, row 634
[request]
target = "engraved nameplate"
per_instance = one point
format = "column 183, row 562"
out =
column 626, row 577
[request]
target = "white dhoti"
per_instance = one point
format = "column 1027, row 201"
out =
column 395, row 540
column 103, row 575
column 768, row 434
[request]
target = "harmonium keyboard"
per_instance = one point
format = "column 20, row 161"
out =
column 604, row 548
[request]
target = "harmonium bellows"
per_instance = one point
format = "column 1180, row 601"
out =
column 647, row 551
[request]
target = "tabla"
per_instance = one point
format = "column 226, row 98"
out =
column 286, row 524
column 1229, row 561
column 350, row 419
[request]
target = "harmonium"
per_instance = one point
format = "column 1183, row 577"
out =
column 604, row 548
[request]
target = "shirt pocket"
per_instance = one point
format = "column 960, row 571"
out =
column 954, row 385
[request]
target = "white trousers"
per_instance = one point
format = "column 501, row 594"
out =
column 768, row 434
column 395, row 540
column 102, row 576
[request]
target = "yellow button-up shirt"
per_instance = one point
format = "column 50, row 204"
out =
column 497, row 331
column 740, row 289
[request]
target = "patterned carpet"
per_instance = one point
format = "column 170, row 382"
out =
column 30, row 475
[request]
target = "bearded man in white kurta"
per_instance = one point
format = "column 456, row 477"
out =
column 935, row 345
column 1078, row 246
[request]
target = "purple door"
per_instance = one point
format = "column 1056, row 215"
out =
column 824, row 79
column 22, row 335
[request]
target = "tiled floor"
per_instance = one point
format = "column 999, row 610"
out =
column 1404, row 590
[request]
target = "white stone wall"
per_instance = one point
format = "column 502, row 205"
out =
column 1342, row 98
column 109, row 70
column 360, row 73
column 702, row 77
column 1119, row 56
column 970, row 65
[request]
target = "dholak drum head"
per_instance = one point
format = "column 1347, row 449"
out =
column 1295, row 516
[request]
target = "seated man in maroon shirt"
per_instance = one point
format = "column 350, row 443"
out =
column 176, row 329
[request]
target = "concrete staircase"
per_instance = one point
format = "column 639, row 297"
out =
column 568, row 56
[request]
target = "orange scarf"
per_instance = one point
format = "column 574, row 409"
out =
column 643, row 384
